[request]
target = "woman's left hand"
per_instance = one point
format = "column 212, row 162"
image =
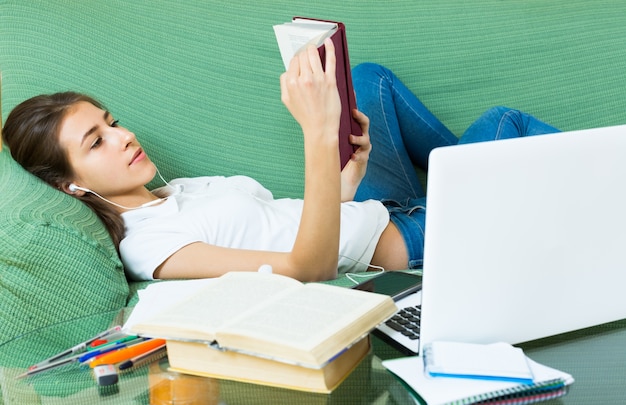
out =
column 355, row 169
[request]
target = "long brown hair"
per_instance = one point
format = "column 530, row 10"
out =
column 31, row 133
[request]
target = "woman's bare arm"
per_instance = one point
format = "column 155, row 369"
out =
column 310, row 94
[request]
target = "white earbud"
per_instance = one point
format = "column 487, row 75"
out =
column 74, row 188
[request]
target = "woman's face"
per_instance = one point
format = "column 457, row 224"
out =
column 105, row 157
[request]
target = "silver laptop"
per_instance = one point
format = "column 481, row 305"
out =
column 525, row 238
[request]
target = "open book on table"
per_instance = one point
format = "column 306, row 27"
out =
column 271, row 317
column 294, row 36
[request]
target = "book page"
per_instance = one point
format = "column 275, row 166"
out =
column 294, row 36
column 310, row 324
column 214, row 305
column 161, row 295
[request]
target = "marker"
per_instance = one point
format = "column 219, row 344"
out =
column 127, row 353
column 75, row 349
column 105, row 374
column 136, row 361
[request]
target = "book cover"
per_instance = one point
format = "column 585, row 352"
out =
column 294, row 36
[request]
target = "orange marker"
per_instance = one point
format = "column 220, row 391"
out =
column 127, row 352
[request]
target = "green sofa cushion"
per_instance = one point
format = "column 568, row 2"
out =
column 56, row 260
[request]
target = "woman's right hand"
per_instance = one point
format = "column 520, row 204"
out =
column 310, row 93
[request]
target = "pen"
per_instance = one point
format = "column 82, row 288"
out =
column 138, row 360
column 75, row 349
column 125, row 339
column 107, row 339
column 49, row 366
column 93, row 353
column 127, row 353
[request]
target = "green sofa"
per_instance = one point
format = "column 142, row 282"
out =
column 197, row 81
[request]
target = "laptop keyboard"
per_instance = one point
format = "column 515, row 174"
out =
column 407, row 322
column 403, row 329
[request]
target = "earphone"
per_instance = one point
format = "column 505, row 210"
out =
column 74, row 188
column 368, row 274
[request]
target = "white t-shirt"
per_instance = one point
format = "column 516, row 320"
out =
column 237, row 212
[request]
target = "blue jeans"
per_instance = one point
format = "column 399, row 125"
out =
column 403, row 132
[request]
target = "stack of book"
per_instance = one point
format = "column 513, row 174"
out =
column 269, row 329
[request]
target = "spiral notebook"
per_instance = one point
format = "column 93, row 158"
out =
column 548, row 383
column 496, row 361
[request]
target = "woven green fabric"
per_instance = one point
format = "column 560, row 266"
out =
column 197, row 81
column 56, row 261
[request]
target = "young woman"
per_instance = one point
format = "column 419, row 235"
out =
column 204, row 227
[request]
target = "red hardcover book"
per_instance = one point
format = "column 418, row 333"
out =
column 300, row 32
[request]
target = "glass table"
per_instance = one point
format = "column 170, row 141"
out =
column 596, row 357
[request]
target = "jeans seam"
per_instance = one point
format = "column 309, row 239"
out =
column 388, row 132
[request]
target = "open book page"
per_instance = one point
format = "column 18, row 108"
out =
column 161, row 295
column 294, row 36
column 198, row 317
column 309, row 325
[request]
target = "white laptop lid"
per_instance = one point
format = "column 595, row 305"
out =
column 525, row 238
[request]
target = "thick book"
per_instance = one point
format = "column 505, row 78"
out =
column 293, row 36
column 270, row 317
column 200, row 359
column 548, row 383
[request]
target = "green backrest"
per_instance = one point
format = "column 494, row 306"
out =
column 197, row 81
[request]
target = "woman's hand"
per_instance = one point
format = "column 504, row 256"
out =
column 310, row 93
column 355, row 169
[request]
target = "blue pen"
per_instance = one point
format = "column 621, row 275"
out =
column 97, row 352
